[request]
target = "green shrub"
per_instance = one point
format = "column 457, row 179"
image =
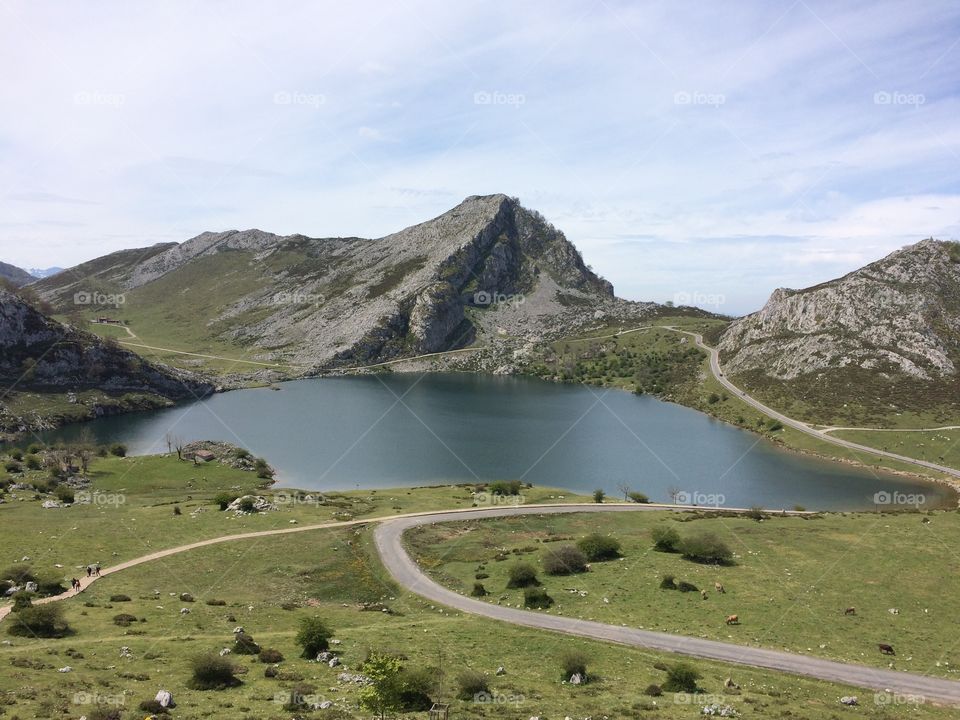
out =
column 241, row 453
column 638, row 497
column 118, row 449
column 505, row 487
column 522, row 575
column 416, row 686
column 152, row 707
column 124, row 619
column 681, row 677
column 247, row 505
column 668, row 582
column 665, row 539
column 12, row 466
column 470, row 684
column 262, row 469
column 65, row 494
column 212, row 672
column 706, row 547
column 16, row 454
column 564, row 560
column 45, row 621
column 270, row 655
column 536, row 598
column 599, row 495
column 33, row 463
column 574, row 662
column 599, row 547
column 21, row 601
column 105, row 713
column 653, row 691
column 479, row 590
column 313, row 637
column 216, row 603
column 19, row 574
column 224, row 499
column 244, row 644
column 755, row 513
column 33, row 449
column 119, row 598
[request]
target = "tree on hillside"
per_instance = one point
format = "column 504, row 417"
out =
column 385, row 692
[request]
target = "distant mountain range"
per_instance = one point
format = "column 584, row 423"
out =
column 489, row 268
column 44, row 272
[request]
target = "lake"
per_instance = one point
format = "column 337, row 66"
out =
column 408, row 429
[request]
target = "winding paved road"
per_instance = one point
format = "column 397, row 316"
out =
column 388, row 538
column 798, row 425
column 389, row 541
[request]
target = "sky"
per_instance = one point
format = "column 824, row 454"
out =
column 704, row 153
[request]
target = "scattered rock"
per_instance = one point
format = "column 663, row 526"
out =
column 165, row 699
column 501, row 670
column 849, row 700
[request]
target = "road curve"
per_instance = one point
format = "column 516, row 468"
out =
column 389, row 542
column 798, row 425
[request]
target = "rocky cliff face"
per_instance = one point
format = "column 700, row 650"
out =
column 487, row 268
column 899, row 317
column 37, row 352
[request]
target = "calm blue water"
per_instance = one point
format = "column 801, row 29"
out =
column 400, row 429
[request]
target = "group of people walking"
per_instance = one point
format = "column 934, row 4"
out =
column 92, row 571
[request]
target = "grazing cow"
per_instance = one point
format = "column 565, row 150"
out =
column 733, row 619
column 886, row 649
column 718, row 587
column 850, row 611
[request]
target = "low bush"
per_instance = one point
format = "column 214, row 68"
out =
column 470, row 684
column 270, row 655
column 105, row 713
column 21, row 600
column 522, row 575
column 536, row 598
column 118, row 449
column 505, row 487
column 479, row 590
column 12, row 466
column 119, row 598
column 638, row 497
column 244, row 644
column 599, row 495
column 706, row 547
column 33, row 463
column 665, row 539
column 653, row 691
column 681, row 677
column 313, row 637
column 212, row 672
column 599, row 547
column 216, row 603
column 45, row 621
column 564, row 560
column 224, row 499
column 573, row 663
column 64, row 494
column 124, row 619
column 152, row 707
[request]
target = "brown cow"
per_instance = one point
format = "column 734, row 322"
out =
column 886, row 649
column 718, row 587
column 733, row 619
column 850, row 611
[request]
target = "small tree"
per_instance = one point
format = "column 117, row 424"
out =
column 314, row 637
column 522, row 575
column 224, row 499
column 665, row 539
column 45, row 621
column 385, row 691
column 599, row 547
column 638, row 497
column 598, row 495
column 212, row 672
column 681, row 677
column 470, row 684
column 574, row 662
column 564, row 560
column 536, row 598
column 706, row 547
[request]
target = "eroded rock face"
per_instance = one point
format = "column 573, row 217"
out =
column 900, row 314
column 487, row 267
column 42, row 353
